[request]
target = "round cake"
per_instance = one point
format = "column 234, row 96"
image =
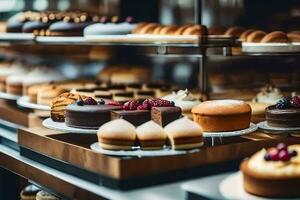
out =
column 222, row 115
column 88, row 114
column 273, row 173
column 285, row 114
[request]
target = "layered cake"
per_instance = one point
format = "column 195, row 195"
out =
column 184, row 134
column 88, row 113
column 273, row 173
column 58, row 105
column 151, row 136
column 131, row 113
column 47, row 92
column 222, row 115
column 117, row 135
column 286, row 113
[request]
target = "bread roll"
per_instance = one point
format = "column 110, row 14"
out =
column 168, row 30
column 235, row 31
column 256, row 36
column 245, row 34
column 195, row 30
column 275, row 37
column 294, row 36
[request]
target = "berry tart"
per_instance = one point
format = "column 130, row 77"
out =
column 285, row 114
column 89, row 113
column 273, row 173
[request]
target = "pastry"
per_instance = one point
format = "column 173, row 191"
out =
column 121, row 28
column 195, row 30
column 84, row 91
column 168, row 30
column 132, row 114
column 275, row 37
column 116, row 88
column 222, row 115
column 47, row 92
column 235, row 31
column 273, row 173
column 183, row 99
column 33, row 91
column 123, row 96
column 184, row 134
column 133, row 86
column 294, row 36
column 255, row 36
column 139, row 27
column 14, row 69
column 144, row 94
column 29, row 192
column 42, row 195
column 88, row 113
column 148, row 28
column 59, row 104
column 14, row 84
column 151, row 136
column 268, row 95
column 117, row 135
column 16, row 22
column 181, row 29
column 103, row 91
column 245, row 34
column 286, row 113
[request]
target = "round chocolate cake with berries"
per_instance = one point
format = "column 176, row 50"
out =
column 89, row 114
column 285, row 114
column 273, row 173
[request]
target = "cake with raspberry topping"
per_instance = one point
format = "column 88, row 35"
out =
column 273, row 173
column 88, row 113
column 285, row 114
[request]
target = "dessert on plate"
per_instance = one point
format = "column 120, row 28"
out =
column 285, row 114
column 268, row 95
column 273, row 173
column 88, row 113
column 117, row 134
column 222, row 115
column 183, row 133
column 151, row 136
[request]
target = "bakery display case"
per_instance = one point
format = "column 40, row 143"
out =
column 102, row 101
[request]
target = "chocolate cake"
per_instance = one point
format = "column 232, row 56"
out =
column 165, row 115
column 285, row 118
column 136, row 117
column 88, row 116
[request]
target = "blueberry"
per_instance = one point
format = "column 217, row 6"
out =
column 79, row 102
column 101, row 102
column 293, row 153
column 267, row 157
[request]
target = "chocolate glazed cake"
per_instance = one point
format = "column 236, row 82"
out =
column 285, row 118
column 88, row 116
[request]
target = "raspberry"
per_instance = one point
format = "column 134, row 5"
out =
column 283, row 103
column 274, row 154
column 90, row 101
column 281, row 147
column 155, row 102
column 142, row 107
column 114, row 103
column 131, row 105
column 284, row 156
column 295, row 101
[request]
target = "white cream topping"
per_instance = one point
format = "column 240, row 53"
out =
column 118, row 129
column 275, row 168
column 42, row 75
column 183, row 127
column 269, row 95
column 109, row 29
column 183, row 99
column 150, row 131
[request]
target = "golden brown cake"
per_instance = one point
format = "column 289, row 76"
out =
column 183, row 133
column 222, row 115
column 275, row 37
column 256, row 36
column 273, row 173
column 117, row 134
column 59, row 104
column 151, row 136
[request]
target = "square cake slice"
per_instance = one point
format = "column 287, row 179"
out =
column 165, row 115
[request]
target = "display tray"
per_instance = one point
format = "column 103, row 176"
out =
column 277, row 130
column 59, row 39
column 7, row 96
column 270, row 47
column 24, row 102
column 71, row 153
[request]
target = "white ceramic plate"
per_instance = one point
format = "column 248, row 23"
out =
column 24, row 102
column 248, row 47
column 6, row 96
column 61, row 126
column 252, row 128
column 276, row 130
column 18, row 37
column 137, row 152
column 58, row 39
column 232, row 188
